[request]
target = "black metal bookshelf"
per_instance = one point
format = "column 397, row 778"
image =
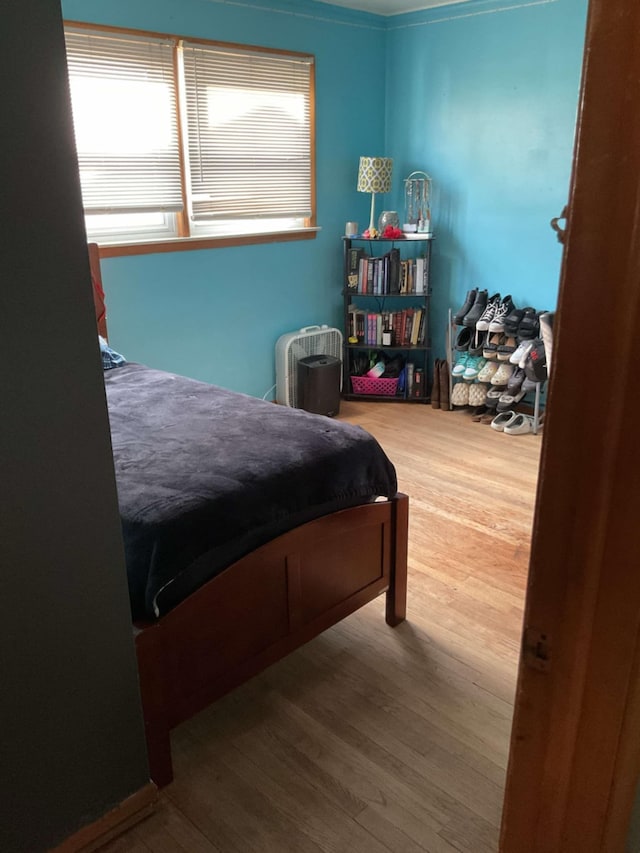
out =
column 388, row 301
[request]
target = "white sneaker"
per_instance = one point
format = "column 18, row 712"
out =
column 525, row 354
column 504, row 308
column 521, row 352
column 546, row 330
column 488, row 314
column 520, row 425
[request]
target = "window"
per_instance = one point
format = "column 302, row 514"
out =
column 185, row 139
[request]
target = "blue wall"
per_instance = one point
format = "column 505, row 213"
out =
column 483, row 96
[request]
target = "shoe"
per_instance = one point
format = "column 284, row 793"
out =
column 506, row 350
column 476, row 345
column 502, row 311
column 467, row 305
column 507, row 401
column 528, row 385
column 435, row 385
column 444, row 384
column 522, row 350
column 482, row 324
column 477, row 394
column 502, row 375
column 502, row 421
column 480, row 303
column 493, row 398
column 460, row 395
column 525, row 354
column 529, row 325
column 461, row 364
column 536, row 364
column 512, row 321
column 546, row 330
column 478, row 413
column 490, row 349
column 463, row 340
column 488, row 371
column 514, row 383
column 520, row 425
column 474, row 366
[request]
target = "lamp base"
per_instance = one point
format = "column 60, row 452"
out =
column 372, row 230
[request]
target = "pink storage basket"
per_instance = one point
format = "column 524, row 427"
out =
column 367, row 385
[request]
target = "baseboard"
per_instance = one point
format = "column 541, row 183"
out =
column 130, row 811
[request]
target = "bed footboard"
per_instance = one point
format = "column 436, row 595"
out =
column 264, row 606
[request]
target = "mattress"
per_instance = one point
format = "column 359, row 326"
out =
column 206, row 475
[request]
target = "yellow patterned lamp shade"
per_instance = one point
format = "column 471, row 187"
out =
column 374, row 176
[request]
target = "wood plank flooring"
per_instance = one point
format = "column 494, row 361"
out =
column 371, row 739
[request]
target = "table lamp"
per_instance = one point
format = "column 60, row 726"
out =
column 374, row 176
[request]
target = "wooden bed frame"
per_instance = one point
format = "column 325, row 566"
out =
column 264, row 606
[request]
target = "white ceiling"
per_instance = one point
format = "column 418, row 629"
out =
column 390, row 7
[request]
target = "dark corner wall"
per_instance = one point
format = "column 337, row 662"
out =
column 72, row 736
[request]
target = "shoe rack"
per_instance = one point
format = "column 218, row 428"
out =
column 450, row 337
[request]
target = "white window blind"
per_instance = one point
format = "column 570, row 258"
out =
column 125, row 116
column 248, row 125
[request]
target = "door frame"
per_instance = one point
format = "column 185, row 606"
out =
column 575, row 745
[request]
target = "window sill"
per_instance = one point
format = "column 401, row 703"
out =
column 185, row 244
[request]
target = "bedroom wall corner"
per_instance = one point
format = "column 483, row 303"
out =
column 483, row 96
column 72, row 736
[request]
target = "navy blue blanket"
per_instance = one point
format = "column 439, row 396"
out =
column 206, row 475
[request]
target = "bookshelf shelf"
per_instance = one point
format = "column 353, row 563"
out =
column 388, row 349
column 387, row 287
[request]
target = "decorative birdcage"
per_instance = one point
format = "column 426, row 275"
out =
column 417, row 204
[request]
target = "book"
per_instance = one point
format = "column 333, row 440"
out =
column 408, row 326
column 354, row 256
column 415, row 326
column 419, row 280
column 393, row 278
column 370, row 269
column 409, row 381
column 422, row 329
column 362, row 274
column 418, row 382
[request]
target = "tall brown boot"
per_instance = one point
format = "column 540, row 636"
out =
column 435, row 388
column 443, row 370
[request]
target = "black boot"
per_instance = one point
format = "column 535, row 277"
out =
column 458, row 317
column 435, row 388
column 443, row 370
column 480, row 303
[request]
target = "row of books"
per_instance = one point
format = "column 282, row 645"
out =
column 405, row 328
column 387, row 274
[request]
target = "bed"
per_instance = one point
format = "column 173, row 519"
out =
column 249, row 529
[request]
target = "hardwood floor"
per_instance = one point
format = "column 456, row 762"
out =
column 371, row 739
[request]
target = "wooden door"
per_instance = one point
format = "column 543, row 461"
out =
column 575, row 747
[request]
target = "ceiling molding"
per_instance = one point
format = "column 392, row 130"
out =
column 388, row 8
